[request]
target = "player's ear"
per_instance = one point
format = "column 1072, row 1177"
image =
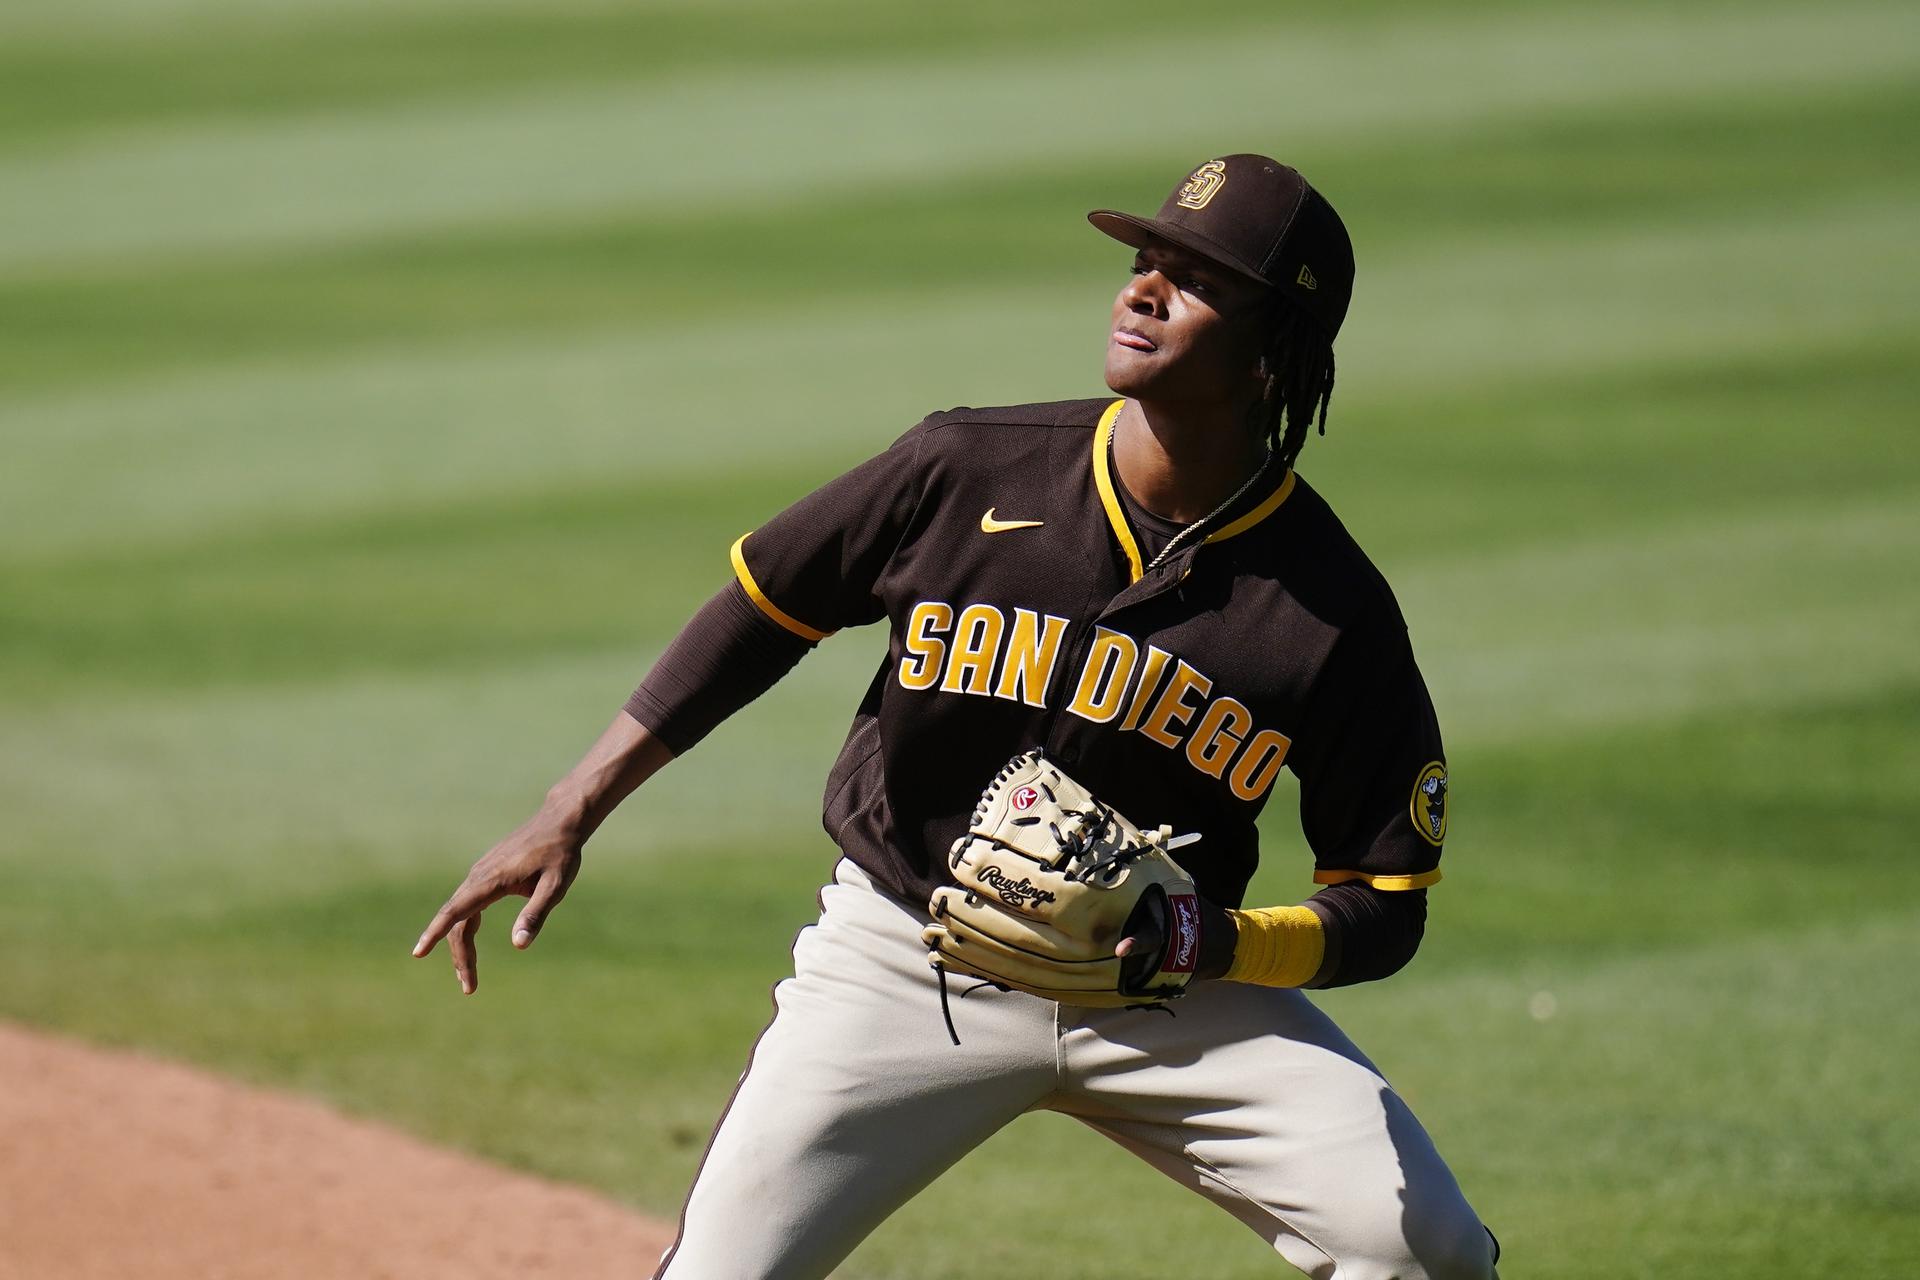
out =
column 1265, row 371
column 1260, row 322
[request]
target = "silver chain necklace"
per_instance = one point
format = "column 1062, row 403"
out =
column 1181, row 537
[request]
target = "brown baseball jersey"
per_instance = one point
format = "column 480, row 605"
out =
column 1024, row 613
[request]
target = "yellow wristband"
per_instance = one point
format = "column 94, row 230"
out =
column 1277, row 946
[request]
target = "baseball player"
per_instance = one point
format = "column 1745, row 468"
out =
column 1141, row 588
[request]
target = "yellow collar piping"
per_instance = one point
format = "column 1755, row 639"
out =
column 1117, row 516
column 1103, row 481
column 1269, row 505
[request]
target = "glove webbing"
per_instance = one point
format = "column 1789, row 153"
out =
column 1095, row 824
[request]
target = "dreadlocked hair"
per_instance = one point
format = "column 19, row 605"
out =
column 1298, row 362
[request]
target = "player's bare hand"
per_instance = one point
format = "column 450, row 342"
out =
column 537, row 862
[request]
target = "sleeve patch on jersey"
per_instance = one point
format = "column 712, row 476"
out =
column 1429, row 804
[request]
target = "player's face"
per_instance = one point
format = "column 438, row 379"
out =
column 1184, row 329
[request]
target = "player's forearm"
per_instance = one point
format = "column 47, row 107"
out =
column 1371, row 933
column 625, row 756
column 1345, row 934
column 1273, row 946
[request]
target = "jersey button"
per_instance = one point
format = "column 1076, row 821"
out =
column 1068, row 753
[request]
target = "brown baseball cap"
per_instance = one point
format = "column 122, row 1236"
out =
column 1260, row 218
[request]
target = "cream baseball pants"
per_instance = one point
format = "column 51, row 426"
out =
column 855, row 1099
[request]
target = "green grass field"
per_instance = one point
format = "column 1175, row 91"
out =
column 381, row 385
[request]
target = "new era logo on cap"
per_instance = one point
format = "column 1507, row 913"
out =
column 1305, row 279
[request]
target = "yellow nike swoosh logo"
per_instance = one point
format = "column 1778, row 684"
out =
column 989, row 525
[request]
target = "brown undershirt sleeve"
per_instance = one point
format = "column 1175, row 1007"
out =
column 1371, row 933
column 727, row 655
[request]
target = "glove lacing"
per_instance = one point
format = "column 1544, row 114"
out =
column 947, row 1012
column 1087, row 852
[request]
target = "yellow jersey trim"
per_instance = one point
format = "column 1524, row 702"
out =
column 1117, row 517
column 1420, row 881
column 1267, row 507
column 1103, row 481
column 768, row 607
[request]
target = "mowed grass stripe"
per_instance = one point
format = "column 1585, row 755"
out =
column 85, row 68
column 647, row 34
column 1560, row 177
column 1528, row 461
column 349, row 437
column 1623, row 841
column 325, row 790
column 355, row 437
column 341, row 176
column 1795, row 604
column 158, row 23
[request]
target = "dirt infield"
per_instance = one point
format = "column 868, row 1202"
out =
column 114, row 1165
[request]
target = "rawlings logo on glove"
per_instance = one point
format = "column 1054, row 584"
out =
column 1013, row 892
column 1049, row 881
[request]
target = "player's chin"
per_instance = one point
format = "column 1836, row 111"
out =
column 1148, row 375
column 1132, row 372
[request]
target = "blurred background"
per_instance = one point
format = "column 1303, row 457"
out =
column 381, row 385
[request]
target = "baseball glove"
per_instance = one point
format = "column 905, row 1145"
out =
column 1050, row 880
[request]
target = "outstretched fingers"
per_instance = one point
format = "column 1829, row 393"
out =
column 540, row 873
column 462, row 941
column 470, row 899
column 547, row 892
